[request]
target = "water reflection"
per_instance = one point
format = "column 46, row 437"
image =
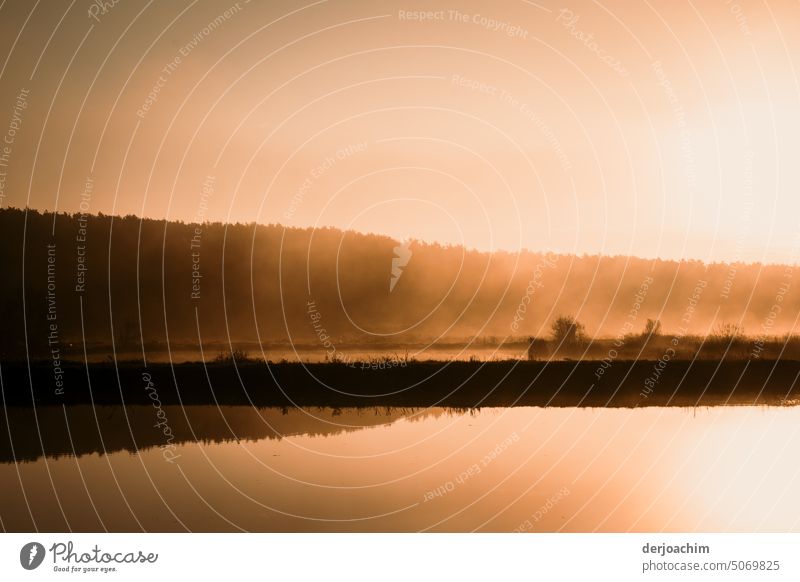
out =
column 27, row 434
column 503, row 469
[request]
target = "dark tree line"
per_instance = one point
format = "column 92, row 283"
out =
column 173, row 282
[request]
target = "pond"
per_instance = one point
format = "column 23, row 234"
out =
column 364, row 469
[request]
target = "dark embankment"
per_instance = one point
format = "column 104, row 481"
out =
column 455, row 384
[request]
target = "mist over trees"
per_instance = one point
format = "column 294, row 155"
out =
column 125, row 279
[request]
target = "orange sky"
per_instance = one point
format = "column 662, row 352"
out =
column 654, row 129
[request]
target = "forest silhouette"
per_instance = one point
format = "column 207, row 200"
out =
column 142, row 284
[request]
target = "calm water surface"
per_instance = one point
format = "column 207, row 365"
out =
column 529, row 469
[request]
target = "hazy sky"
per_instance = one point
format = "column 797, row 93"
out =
column 650, row 128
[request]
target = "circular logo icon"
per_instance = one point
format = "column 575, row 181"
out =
column 31, row 555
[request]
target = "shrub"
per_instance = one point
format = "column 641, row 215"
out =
column 728, row 332
column 652, row 327
column 567, row 330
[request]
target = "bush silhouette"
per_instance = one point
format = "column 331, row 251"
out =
column 652, row 327
column 567, row 330
column 727, row 333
